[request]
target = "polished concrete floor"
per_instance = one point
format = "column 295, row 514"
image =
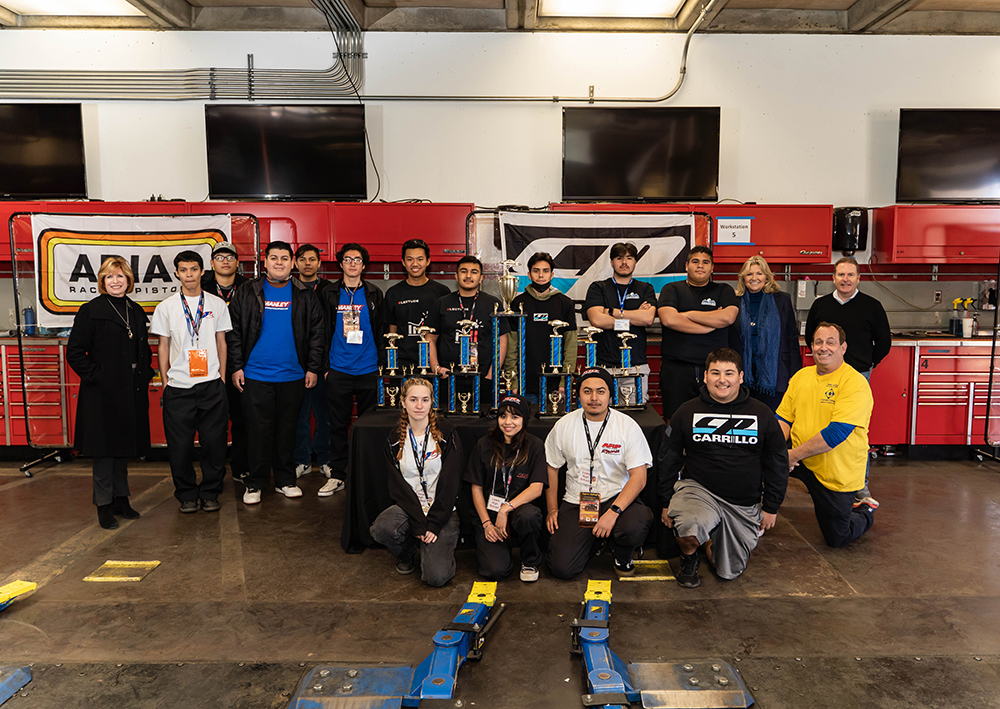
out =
column 247, row 600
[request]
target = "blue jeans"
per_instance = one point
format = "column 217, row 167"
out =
column 314, row 402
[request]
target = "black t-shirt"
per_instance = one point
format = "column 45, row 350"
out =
column 407, row 308
column 537, row 332
column 608, row 294
column 482, row 472
column 445, row 315
column 688, row 348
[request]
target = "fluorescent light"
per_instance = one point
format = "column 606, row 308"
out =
column 95, row 8
column 610, row 8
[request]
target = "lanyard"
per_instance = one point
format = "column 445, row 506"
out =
column 419, row 457
column 622, row 294
column 592, row 447
column 194, row 325
column 472, row 310
column 507, row 477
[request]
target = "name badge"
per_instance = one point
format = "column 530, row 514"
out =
column 590, row 508
column 198, row 363
column 425, row 504
column 621, row 324
column 355, row 337
column 494, row 503
column 586, row 477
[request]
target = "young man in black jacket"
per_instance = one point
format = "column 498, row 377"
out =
column 730, row 448
column 275, row 347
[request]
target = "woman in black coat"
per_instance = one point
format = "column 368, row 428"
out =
column 769, row 333
column 109, row 349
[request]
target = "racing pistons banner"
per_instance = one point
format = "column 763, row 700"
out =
column 69, row 250
column 580, row 245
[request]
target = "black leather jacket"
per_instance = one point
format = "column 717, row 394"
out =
column 376, row 313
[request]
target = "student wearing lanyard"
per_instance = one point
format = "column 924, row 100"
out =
column 424, row 461
column 192, row 327
column 508, row 463
column 606, row 457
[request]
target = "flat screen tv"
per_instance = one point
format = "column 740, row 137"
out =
column 286, row 152
column 41, row 151
column 640, row 154
column 948, row 155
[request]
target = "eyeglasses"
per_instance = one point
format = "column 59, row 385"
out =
column 353, row 260
column 223, row 257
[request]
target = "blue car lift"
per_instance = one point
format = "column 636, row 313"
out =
column 432, row 682
column 614, row 684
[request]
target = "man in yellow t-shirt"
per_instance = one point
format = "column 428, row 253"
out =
column 826, row 412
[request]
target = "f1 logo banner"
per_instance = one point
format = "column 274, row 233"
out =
column 580, row 245
column 69, row 250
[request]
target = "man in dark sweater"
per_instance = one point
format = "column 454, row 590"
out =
column 862, row 317
column 728, row 448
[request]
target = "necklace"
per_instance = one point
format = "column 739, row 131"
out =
column 128, row 327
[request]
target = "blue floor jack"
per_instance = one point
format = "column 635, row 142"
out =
column 614, row 684
column 431, row 683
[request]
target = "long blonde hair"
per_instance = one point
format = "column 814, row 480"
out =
column 404, row 418
column 770, row 285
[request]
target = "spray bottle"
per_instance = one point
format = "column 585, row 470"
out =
column 955, row 324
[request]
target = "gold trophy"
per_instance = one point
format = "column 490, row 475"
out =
column 392, row 391
column 508, row 285
column 627, row 394
column 554, row 399
column 464, row 397
column 509, row 376
column 392, row 352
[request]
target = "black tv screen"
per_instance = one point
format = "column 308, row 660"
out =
column 41, row 151
column 648, row 154
column 286, row 152
column 948, row 155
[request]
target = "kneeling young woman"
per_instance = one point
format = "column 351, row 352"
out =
column 508, row 463
column 424, row 460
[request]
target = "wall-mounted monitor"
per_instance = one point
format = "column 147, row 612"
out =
column 641, row 154
column 948, row 155
column 286, row 152
column 41, row 151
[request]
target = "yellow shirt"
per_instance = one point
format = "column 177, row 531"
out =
column 812, row 402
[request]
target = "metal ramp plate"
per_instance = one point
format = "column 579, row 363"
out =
column 651, row 570
column 353, row 688
column 710, row 684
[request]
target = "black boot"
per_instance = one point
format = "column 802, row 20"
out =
column 124, row 509
column 106, row 517
column 688, row 576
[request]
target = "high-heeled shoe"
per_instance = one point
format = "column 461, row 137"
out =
column 124, row 509
column 106, row 517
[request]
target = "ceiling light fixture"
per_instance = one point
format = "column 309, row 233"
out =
column 619, row 9
column 66, row 8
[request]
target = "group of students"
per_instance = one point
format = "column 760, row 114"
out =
column 271, row 353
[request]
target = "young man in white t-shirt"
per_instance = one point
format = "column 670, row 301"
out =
column 606, row 456
column 192, row 327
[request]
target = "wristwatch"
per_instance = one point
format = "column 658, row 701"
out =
column 616, row 509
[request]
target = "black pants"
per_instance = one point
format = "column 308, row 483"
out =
column 204, row 408
column 679, row 382
column 839, row 521
column 571, row 547
column 272, row 409
column 238, row 454
column 110, row 479
column 524, row 526
column 342, row 390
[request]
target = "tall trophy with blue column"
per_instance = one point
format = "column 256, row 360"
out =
column 555, row 387
column 508, row 290
column 628, row 379
column 423, row 368
column 465, row 385
column 590, row 345
column 390, row 376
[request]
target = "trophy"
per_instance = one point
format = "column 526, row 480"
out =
column 554, row 378
column 464, row 398
column 424, row 349
column 627, row 394
column 508, row 285
column 626, row 350
column 392, row 373
column 628, row 379
column 465, row 363
column 590, row 344
column 467, row 376
column 508, row 290
column 392, row 391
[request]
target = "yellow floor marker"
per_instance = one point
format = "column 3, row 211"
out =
column 651, row 570
column 116, row 571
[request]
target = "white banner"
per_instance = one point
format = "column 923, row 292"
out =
column 69, row 250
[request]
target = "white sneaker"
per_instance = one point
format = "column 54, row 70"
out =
column 303, row 469
column 290, row 491
column 529, row 574
column 332, row 485
column 251, row 496
column 326, row 470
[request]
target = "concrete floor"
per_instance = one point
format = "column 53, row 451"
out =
column 247, row 600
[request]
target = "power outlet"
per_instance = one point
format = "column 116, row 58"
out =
column 937, row 297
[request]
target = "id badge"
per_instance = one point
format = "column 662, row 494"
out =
column 425, row 504
column 494, row 503
column 356, row 337
column 351, row 317
column 585, row 477
column 621, row 325
column 590, row 509
column 198, row 363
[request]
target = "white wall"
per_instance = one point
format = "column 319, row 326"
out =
column 806, row 119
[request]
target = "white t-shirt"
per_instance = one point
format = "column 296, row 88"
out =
column 621, row 448
column 432, row 468
column 169, row 320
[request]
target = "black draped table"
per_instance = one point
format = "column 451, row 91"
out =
column 367, row 484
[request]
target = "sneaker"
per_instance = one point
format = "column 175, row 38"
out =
column 303, row 469
column 290, row 490
column 870, row 501
column 529, row 573
column 626, row 569
column 189, row 506
column 210, row 505
column 326, row 470
column 862, row 494
column 241, row 476
column 688, row 577
column 332, row 485
column 405, row 565
column 251, row 496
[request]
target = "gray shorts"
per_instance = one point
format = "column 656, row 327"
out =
column 732, row 528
